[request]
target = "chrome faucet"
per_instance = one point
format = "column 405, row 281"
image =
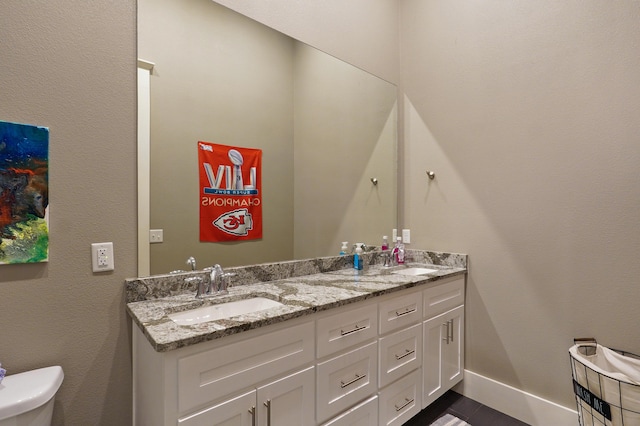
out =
column 219, row 281
column 201, row 285
column 216, row 278
column 192, row 262
column 386, row 254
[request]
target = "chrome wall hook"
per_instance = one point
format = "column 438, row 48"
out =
column 374, row 181
column 431, row 174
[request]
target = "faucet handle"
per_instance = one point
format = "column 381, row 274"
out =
column 191, row 261
column 216, row 273
column 200, row 285
column 225, row 280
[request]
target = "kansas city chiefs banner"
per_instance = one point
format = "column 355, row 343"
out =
column 230, row 192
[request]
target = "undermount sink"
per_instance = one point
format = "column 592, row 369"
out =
column 414, row 271
column 223, row 310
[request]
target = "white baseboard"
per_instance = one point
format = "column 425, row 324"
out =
column 523, row 406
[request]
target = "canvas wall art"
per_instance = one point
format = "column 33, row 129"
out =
column 24, row 193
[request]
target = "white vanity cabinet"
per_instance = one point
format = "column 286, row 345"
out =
column 370, row 363
column 443, row 341
column 218, row 382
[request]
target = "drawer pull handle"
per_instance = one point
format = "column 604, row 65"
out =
column 354, row 330
column 407, row 402
column 268, row 405
column 253, row 416
column 406, row 312
column 407, row 353
column 450, row 331
column 344, row 385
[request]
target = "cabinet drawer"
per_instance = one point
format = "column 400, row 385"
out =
column 344, row 380
column 443, row 297
column 230, row 412
column 401, row 400
column 400, row 312
column 363, row 414
column 400, row 353
column 209, row 375
column 346, row 329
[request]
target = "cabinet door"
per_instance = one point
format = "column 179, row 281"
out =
column 443, row 350
column 237, row 411
column 453, row 357
column 288, row 401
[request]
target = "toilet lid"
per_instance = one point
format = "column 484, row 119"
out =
column 23, row 392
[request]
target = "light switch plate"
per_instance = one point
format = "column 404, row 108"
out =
column 102, row 257
column 406, row 236
column 156, row 236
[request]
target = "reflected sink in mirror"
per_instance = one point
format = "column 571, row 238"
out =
column 223, row 310
column 414, row 271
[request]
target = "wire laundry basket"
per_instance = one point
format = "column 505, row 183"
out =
column 606, row 383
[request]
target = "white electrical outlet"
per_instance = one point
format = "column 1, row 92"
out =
column 155, row 236
column 102, row 257
column 406, row 236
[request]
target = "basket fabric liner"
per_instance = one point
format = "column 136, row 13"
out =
column 611, row 363
column 607, row 386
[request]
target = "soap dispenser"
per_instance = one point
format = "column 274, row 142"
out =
column 357, row 257
column 385, row 243
column 344, row 250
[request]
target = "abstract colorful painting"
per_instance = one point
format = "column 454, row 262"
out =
column 24, row 193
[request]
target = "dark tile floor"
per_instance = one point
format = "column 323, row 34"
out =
column 464, row 408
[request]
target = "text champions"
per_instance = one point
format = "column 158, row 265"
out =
column 229, row 202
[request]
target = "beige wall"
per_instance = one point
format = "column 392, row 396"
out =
column 361, row 32
column 70, row 66
column 345, row 134
column 528, row 113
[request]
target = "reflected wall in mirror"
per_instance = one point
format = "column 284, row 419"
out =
column 325, row 128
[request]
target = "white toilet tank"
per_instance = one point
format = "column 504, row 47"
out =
column 26, row 399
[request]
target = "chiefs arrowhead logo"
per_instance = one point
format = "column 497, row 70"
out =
column 236, row 222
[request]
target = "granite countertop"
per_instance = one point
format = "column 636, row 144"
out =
column 325, row 287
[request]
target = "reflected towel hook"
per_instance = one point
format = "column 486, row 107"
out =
column 431, row 174
column 374, row 181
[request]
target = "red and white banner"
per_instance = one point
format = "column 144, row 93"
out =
column 230, row 192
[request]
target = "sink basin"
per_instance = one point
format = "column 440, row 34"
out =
column 414, row 271
column 223, row 310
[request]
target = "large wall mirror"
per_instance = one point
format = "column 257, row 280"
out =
column 327, row 130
